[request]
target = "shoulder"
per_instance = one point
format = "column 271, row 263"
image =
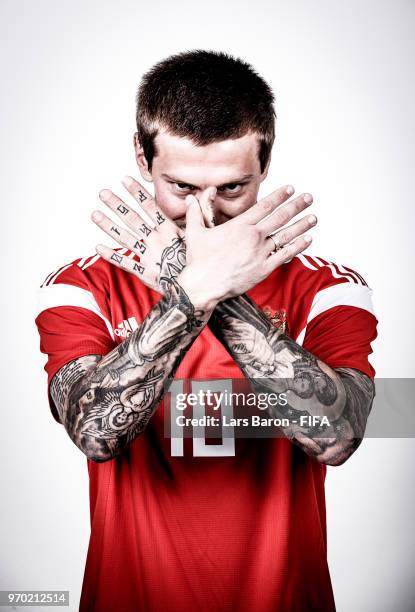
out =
column 91, row 273
column 316, row 284
column 85, row 282
column 73, row 297
column 80, row 272
column 76, row 283
column 319, row 272
column 90, row 282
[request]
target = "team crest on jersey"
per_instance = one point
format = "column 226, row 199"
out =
column 278, row 318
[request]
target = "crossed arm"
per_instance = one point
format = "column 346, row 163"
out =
column 106, row 402
column 274, row 363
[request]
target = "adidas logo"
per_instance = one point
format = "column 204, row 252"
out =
column 125, row 328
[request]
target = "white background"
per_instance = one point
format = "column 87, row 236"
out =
column 342, row 73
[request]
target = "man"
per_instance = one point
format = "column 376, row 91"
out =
column 210, row 284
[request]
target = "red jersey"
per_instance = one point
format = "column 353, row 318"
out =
column 182, row 525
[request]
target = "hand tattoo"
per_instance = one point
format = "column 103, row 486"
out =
column 172, row 262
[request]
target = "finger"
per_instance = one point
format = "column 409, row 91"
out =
column 129, row 216
column 267, row 205
column 194, row 217
column 287, row 234
column 128, row 264
column 149, row 205
column 139, row 193
column 285, row 213
column 120, row 234
column 287, row 253
column 206, row 205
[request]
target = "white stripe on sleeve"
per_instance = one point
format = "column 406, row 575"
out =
column 343, row 294
column 69, row 295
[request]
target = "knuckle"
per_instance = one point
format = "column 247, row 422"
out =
column 292, row 209
column 267, row 205
column 288, row 250
column 299, row 207
column 281, row 216
column 254, row 234
column 283, row 237
column 303, row 225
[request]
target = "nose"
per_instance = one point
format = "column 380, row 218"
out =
column 207, row 205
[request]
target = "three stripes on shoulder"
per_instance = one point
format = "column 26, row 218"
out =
column 353, row 291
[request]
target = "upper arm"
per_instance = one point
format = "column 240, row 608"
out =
column 72, row 321
column 342, row 336
column 340, row 330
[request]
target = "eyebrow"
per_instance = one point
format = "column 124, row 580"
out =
column 241, row 179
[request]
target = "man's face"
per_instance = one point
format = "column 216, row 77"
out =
column 181, row 168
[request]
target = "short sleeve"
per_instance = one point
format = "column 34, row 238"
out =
column 70, row 325
column 341, row 327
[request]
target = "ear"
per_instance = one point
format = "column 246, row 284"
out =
column 141, row 160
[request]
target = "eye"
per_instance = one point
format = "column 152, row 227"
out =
column 183, row 187
column 231, row 188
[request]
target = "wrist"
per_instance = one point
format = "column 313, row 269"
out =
column 196, row 289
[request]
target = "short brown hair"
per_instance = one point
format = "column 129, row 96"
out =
column 206, row 96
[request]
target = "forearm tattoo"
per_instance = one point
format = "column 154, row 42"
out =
column 104, row 403
column 275, row 363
